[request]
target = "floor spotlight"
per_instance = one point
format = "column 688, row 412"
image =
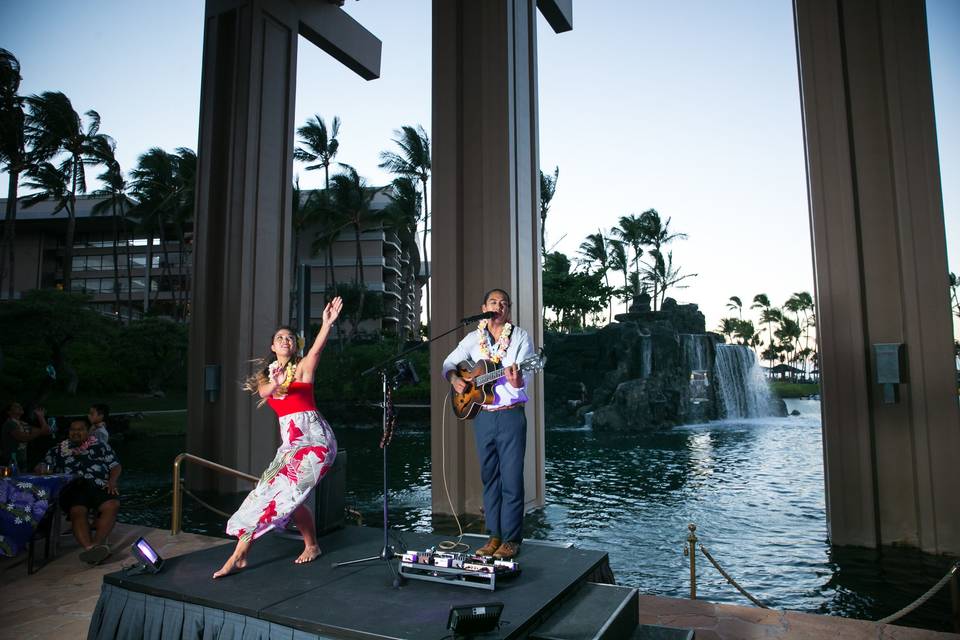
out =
column 466, row 620
column 149, row 560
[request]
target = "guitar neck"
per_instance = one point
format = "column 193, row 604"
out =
column 498, row 373
column 487, row 377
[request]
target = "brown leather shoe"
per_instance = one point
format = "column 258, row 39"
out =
column 507, row 551
column 493, row 544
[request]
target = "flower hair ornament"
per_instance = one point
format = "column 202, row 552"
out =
column 501, row 346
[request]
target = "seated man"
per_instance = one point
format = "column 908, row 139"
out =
column 98, row 415
column 95, row 489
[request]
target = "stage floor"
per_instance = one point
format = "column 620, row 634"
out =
column 360, row 601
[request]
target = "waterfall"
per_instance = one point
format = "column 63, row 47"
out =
column 741, row 386
column 696, row 357
column 696, row 351
column 646, row 355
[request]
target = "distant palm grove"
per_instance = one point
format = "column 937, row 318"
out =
column 48, row 149
column 577, row 292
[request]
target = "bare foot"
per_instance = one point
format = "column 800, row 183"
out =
column 309, row 555
column 232, row 565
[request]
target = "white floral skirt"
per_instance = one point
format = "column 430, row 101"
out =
column 307, row 453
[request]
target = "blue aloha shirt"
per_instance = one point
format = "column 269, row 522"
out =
column 93, row 463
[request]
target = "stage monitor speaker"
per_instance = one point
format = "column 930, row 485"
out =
column 330, row 496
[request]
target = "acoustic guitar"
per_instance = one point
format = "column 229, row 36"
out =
column 480, row 378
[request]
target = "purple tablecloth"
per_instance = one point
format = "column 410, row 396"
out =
column 24, row 501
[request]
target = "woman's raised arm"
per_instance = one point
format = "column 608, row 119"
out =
column 309, row 362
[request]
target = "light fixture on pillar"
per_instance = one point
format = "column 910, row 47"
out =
column 211, row 381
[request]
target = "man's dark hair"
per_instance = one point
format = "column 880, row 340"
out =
column 487, row 295
column 84, row 419
column 102, row 409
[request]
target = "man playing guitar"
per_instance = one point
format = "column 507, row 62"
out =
column 500, row 428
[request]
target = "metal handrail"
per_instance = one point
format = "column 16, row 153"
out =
column 176, row 518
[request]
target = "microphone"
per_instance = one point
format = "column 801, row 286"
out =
column 486, row 315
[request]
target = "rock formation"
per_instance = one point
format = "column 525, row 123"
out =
column 652, row 369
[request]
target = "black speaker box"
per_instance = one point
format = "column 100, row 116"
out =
column 330, row 496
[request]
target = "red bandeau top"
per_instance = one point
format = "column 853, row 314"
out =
column 299, row 398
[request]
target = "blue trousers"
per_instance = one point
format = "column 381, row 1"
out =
column 501, row 443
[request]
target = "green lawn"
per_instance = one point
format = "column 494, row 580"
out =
column 60, row 403
column 159, row 424
column 794, row 390
column 171, row 419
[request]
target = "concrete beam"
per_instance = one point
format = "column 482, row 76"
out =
column 333, row 30
column 558, row 13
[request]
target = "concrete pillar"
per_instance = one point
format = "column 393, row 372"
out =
column 485, row 213
column 242, row 237
column 881, row 272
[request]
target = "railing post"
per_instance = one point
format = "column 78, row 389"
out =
column 692, row 550
column 176, row 520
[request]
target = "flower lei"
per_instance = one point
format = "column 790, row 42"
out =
column 281, row 392
column 502, row 343
column 67, row 450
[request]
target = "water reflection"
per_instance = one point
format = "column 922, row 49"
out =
column 754, row 488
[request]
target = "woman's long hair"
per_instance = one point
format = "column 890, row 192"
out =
column 261, row 374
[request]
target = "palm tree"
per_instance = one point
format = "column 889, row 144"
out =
column 762, row 301
column 768, row 315
column 745, row 332
column 413, row 161
column 595, row 250
column 329, row 227
column 154, row 187
column 656, row 233
column 806, row 305
column 349, row 200
column 548, row 187
column 318, row 147
column 115, row 200
column 54, row 126
column 305, row 208
column 789, row 335
column 662, row 275
column 736, row 304
column 183, row 200
column 401, row 216
column 47, row 182
column 796, row 305
column 728, row 328
column 631, row 232
column 13, row 156
column 619, row 262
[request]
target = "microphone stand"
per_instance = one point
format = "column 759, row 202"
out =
column 387, row 552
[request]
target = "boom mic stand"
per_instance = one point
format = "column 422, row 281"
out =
column 387, row 552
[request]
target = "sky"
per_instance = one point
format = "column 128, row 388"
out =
column 690, row 107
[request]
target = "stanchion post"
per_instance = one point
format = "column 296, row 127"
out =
column 692, row 550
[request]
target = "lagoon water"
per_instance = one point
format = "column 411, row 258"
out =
column 754, row 488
